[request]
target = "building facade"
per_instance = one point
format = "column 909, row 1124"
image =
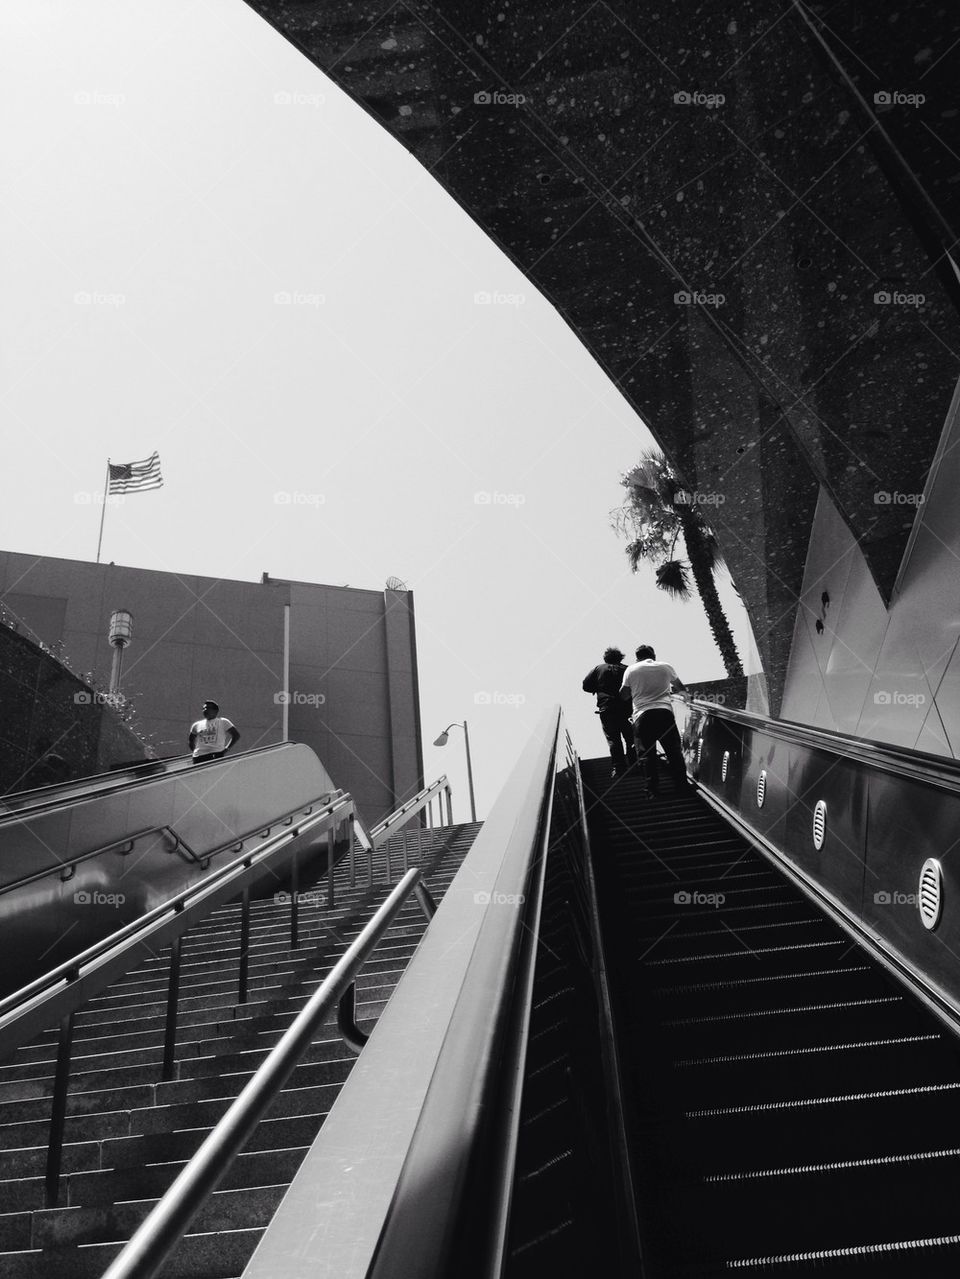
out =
column 333, row 667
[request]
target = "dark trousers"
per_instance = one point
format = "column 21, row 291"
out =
column 659, row 725
column 618, row 731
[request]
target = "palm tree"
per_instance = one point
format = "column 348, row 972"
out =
column 658, row 510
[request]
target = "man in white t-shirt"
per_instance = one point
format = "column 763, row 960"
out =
column 212, row 736
column 648, row 684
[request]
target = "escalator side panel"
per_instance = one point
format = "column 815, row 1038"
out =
column 50, row 919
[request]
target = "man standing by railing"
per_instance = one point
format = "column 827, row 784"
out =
column 212, row 736
column 647, row 686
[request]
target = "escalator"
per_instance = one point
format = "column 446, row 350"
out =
column 790, row 1107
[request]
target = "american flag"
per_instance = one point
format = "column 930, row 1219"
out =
column 134, row 477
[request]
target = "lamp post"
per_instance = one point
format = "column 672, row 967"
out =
column 442, row 741
column 121, row 633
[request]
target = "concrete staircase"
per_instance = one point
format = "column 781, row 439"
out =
column 128, row 1134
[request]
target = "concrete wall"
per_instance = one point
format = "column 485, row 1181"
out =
column 353, row 694
column 888, row 674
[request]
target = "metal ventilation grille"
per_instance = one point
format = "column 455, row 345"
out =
column 930, row 893
column 723, row 766
column 819, row 823
column 699, row 749
column 761, row 787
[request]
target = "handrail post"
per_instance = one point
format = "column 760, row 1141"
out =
column 173, row 996
column 353, row 1036
column 244, row 946
column 449, row 807
column 406, row 860
column 59, row 1113
column 353, row 854
column 294, row 903
column 331, row 857
column 386, row 850
column 425, row 899
column 419, row 844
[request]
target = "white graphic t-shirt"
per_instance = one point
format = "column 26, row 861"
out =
column 211, row 736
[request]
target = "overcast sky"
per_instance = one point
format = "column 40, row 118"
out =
column 171, row 175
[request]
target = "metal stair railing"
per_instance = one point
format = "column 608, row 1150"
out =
column 66, row 870
column 56, row 996
column 144, row 1254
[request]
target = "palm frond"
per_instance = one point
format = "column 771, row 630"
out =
column 636, row 551
column 674, row 578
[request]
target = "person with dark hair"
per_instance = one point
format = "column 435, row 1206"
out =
column 605, row 681
column 212, row 736
column 647, row 685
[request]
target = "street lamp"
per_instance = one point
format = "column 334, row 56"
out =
column 121, row 633
column 442, row 741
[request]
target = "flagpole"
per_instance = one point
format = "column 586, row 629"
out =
column 103, row 509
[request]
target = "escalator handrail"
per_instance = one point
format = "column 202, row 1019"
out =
column 901, row 760
column 63, row 793
column 444, row 1131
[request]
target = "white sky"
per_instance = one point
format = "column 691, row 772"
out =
column 146, row 158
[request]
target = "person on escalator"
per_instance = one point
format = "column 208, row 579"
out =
column 647, row 685
column 605, row 680
column 212, row 736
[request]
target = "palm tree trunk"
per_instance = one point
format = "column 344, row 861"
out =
column 701, row 565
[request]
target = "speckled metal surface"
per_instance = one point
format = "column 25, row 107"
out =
column 719, row 200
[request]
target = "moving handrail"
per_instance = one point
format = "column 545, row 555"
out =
column 145, row 1253
column 453, row 1032
column 19, row 804
column 904, row 761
